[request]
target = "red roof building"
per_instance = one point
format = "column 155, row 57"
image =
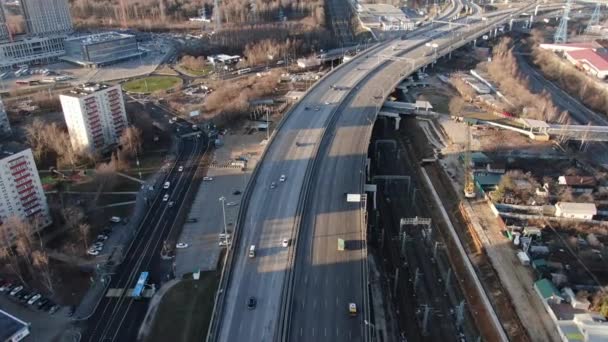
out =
column 592, row 61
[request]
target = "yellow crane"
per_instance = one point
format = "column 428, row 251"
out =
column 469, row 185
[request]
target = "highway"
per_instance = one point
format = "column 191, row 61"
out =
column 119, row 318
column 327, row 132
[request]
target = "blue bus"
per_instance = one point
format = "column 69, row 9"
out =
column 140, row 285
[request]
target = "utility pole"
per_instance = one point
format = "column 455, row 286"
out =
column 223, row 200
column 561, row 35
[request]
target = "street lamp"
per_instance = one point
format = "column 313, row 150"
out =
column 223, row 200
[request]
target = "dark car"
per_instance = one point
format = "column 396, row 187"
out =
column 41, row 302
column 47, row 306
column 251, row 303
column 71, row 311
column 236, row 192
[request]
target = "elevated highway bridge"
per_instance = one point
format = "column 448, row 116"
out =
column 303, row 291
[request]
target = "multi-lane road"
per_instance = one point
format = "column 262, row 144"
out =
column 321, row 148
column 118, row 318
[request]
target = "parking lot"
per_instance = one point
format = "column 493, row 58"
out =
column 205, row 219
column 46, row 324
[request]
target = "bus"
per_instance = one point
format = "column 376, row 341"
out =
column 140, row 285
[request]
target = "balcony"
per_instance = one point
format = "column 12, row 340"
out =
column 14, row 166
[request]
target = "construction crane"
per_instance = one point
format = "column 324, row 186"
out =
column 469, row 185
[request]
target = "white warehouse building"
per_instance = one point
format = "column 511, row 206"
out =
column 95, row 115
column 21, row 192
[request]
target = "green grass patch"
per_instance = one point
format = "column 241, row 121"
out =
column 196, row 72
column 185, row 311
column 151, row 84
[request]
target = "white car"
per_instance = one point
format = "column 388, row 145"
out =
column 180, row 169
column 231, row 204
column 282, row 179
column 167, row 185
column 327, row 103
column 273, row 185
column 115, row 219
column 285, row 243
column 16, row 290
column 166, row 198
column 181, row 245
column 93, row 252
column 207, row 179
column 34, row 299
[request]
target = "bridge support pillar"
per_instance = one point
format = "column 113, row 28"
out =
column 531, row 21
column 536, row 10
column 397, row 121
column 474, row 42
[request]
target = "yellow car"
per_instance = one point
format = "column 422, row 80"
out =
column 352, row 309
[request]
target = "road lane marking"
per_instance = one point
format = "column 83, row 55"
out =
column 313, row 332
column 301, row 331
column 337, row 332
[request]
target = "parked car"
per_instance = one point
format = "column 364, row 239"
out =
column 102, row 237
column 41, row 302
column 192, row 220
column 54, row 309
column 236, row 192
column 16, row 290
column 207, row 179
column 34, row 298
column 93, row 252
column 285, row 243
column 181, row 245
column 115, row 219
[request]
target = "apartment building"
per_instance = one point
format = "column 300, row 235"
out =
column 5, row 126
column 95, row 115
column 48, row 24
column 44, row 17
column 3, row 27
column 21, row 192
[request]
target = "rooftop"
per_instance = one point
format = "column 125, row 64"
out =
column 99, row 37
column 595, row 59
column 87, row 89
column 10, row 325
column 531, row 123
column 580, row 208
column 582, row 181
column 546, row 288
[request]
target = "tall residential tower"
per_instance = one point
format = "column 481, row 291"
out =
column 95, row 115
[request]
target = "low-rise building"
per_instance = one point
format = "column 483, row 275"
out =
column 12, row 329
column 101, row 49
column 578, row 184
column 384, row 17
column 593, row 62
column 21, row 194
column 583, row 211
column 95, row 115
column 223, row 59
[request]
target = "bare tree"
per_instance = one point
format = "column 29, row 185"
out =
column 131, row 141
column 40, row 261
column 84, row 229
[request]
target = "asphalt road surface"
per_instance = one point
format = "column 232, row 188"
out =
column 119, row 318
column 326, row 281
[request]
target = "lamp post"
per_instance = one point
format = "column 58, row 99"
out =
column 223, row 200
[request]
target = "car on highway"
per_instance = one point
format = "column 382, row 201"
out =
column 166, row 198
column 273, row 185
column 170, row 204
column 317, row 109
column 207, row 179
column 236, row 192
column 166, row 185
column 282, row 178
column 285, row 243
column 251, row 303
column 115, row 219
column 352, row 309
column 180, row 169
column 181, row 245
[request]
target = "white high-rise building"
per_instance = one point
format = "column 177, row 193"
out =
column 5, row 126
column 47, row 17
column 95, row 115
column 21, row 192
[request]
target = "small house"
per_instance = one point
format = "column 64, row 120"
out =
column 548, row 292
column 578, row 184
column 582, row 211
